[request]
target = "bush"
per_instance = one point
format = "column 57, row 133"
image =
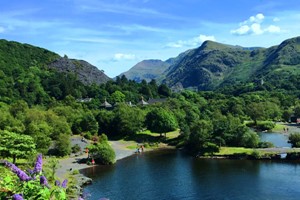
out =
column 294, row 139
column 250, row 139
column 256, row 154
column 76, row 171
column 76, row 148
column 262, row 125
column 102, row 152
column 265, row 145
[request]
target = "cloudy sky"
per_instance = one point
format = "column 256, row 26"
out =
column 116, row 34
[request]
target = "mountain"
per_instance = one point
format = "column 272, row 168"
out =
column 215, row 65
column 152, row 69
column 147, row 70
column 83, row 70
column 211, row 64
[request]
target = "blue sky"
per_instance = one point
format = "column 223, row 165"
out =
column 116, row 34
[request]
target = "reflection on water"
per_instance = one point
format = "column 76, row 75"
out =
column 173, row 175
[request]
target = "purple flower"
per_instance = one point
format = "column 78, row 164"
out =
column 64, row 183
column 30, row 171
column 43, row 180
column 79, row 198
column 38, row 164
column 17, row 197
column 21, row 174
column 57, row 183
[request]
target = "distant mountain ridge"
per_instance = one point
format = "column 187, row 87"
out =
column 146, row 70
column 214, row 65
column 152, row 68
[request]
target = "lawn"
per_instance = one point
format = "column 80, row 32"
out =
column 149, row 138
column 279, row 127
column 234, row 150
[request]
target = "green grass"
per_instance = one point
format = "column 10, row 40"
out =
column 279, row 127
column 149, row 138
column 234, row 150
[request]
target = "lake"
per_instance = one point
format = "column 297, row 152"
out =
column 170, row 174
column 278, row 139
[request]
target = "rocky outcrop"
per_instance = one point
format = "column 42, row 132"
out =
column 85, row 72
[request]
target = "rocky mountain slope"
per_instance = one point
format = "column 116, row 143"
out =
column 84, row 71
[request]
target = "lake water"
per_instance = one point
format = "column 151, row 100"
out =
column 278, row 139
column 172, row 175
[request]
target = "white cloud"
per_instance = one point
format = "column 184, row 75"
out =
column 121, row 56
column 276, row 19
column 196, row 41
column 2, row 29
column 256, row 29
column 242, row 30
column 273, row 29
column 254, row 19
column 254, row 26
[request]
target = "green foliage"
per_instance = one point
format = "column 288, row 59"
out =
column 102, row 152
column 262, row 125
column 201, row 132
column 62, row 145
column 76, row 148
column 294, row 139
column 15, row 146
column 34, row 188
column 160, row 120
column 127, row 120
column 256, row 154
column 250, row 139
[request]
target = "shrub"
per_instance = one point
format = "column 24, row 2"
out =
column 102, row 152
column 76, row 171
column 76, row 148
column 294, row 139
column 262, row 125
column 256, row 154
column 265, row 145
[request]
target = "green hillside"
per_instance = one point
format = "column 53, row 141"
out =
column 37, row 75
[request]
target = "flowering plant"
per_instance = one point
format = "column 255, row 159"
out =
column 31, row 185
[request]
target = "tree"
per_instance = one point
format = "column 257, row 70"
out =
column 163, row 90
column 16, row 146
column 200, row 135
column 117, row 97
column 63, row 145
column 256, row 111
column 161, row 121
column 127, row 120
